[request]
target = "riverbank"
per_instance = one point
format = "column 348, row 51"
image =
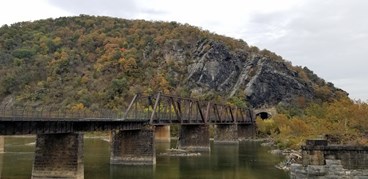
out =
column 291, row 156
column 317, row 159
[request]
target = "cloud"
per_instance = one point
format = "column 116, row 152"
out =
column 116, row 8
column 355, row 87
column 18, row 10
column 152, row 11
column 328, row 36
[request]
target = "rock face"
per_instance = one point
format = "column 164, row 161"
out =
column 263, row 80
column 275, row 83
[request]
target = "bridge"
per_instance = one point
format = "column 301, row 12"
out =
column 59, row 141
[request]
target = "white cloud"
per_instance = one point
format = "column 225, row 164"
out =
column 12, row 11
column 116, row 8
column 354, row 86
column 329, row 37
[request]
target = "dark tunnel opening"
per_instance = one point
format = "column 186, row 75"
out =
column 263, row 115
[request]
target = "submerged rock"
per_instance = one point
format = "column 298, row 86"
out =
column 179, row 153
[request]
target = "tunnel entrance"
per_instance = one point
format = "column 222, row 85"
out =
column 263, row 115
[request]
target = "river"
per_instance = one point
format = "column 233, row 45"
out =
column 247, row 160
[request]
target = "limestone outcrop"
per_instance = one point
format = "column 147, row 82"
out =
column 263, row 81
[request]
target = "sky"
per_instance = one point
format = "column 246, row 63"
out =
column 330, row 37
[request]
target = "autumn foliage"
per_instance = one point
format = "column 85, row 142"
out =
column 88, row 62
column 343, row 122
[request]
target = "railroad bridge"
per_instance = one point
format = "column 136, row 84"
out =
column 59, row 141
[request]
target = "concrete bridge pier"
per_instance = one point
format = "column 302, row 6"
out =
column 133, row 147
column 194, row 138
column 2, row 143
column 162, row 133
column 246, row 131
column 58, row 156
column 226, row 134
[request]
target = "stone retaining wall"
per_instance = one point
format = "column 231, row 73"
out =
column 332, row 169
column 321, row 160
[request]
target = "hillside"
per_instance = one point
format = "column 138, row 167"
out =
column 96, row 62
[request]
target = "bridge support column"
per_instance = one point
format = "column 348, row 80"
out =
column 226, row 133
column 58, row 156
column 162, row 133
column 2, row 143
column 194, row 138
column 246, row 131
column 133, row 147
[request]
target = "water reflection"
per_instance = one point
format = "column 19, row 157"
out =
column 120, row 171
column 257, row 162
column 246, row 160
column 18, row 157
column 162, row 147
column 1, row 164
column 1, row 144
column 1, row 154
column 225, row 160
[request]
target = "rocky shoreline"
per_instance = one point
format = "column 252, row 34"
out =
column 291, row 156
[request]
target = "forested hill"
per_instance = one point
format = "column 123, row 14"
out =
column 96, row 62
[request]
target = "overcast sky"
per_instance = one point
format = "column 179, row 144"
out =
column 330, row 37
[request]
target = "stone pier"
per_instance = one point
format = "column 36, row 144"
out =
column 246, row 131
column 313, row 152
column 226, row 133
column 162, row 133
column 2, row 143
column 133, row 147
column 194, row 138
column 58, row 156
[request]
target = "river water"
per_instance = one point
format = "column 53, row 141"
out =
column 247, row 160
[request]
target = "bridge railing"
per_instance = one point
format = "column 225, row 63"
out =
column 29, row 113
column 140, row 108
column 173, row 109
column 244, row 116
column 158, row 109
column 192, row 111
column 221, row 114
column 228, row 114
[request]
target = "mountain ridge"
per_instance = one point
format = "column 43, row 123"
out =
column 97, row 62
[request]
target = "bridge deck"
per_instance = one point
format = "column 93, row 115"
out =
column 143, row 110
column 23, row 127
